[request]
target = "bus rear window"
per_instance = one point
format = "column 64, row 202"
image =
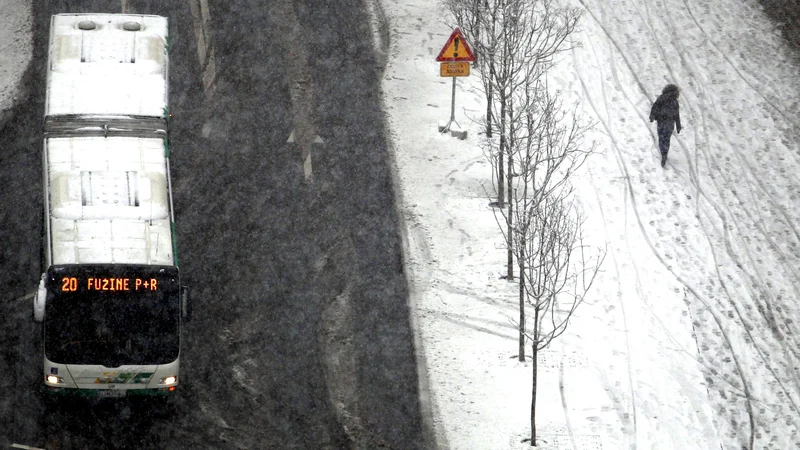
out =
column 112, row 316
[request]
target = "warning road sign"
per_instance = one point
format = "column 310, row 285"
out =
column 456, row 49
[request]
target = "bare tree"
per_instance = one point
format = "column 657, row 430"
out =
column 478, row 21
column 529, row 36
column 507, row 37
column 554, row 271
column 548, row 150
column 537, row 149
column 533, row 33
column 557, row 275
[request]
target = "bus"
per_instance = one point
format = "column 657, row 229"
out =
column 110, row 299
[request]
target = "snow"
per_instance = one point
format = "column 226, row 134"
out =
column 108, row 200
column 687, row 340
column 131, row 67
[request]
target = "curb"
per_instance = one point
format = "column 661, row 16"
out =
column 379, row 24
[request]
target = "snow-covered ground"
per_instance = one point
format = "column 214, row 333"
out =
column 688, row 339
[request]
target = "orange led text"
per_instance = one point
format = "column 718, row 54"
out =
column 71, row 284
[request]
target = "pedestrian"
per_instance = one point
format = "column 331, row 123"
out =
column 666, row 112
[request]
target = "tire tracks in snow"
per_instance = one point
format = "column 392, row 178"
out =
column 628, row 356
column 780, row 111
column 756, row 283
column 639, row 291
column 629, row 188
column 692, row 67
column 719, row 210
column 624, row 318
column 631, row 191
column 644, row 232
column 564, row 402
column 759, row 223
column 769, row 314
column 757, row 179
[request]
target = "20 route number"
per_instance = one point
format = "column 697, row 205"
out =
column 70, row 284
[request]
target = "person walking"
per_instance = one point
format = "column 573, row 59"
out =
column 666, row 112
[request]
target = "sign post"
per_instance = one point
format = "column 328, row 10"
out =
column 455, row 58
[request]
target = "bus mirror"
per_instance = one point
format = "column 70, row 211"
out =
column 186, row 304
column 39, row 301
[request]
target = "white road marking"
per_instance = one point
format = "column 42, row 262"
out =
column 305, row 155
column 27, row 296
column 25, row 447
column 201, row 19
column 300, row 86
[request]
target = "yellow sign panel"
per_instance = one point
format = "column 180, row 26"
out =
column 454, row 69
column 456, row 49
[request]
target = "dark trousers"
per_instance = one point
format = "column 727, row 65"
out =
column 665, row 128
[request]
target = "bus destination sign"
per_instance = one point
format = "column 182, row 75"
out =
column 132, row 284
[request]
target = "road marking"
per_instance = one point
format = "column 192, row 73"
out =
column 27, row 296
column 300, row 85
column 25, row 447
column 201, row 21
column 305, row 154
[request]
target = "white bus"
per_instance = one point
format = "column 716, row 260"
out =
column 110, row 301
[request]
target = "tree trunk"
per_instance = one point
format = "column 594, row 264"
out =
column 522, row 305
column 510, row 220
column 533, row 397
column 509, row 180
column 476, row 30
column 501, row 194
column 534, row 353
column 489, row 90
column 510, row 239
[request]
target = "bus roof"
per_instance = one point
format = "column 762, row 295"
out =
column 109, row 201
column 107, row 64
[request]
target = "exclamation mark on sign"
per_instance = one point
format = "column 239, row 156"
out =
column 455, row 53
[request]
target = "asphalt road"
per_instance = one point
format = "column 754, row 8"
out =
column 284, row 273
column 786, row 15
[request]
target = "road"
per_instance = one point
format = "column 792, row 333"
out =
column 786, row 15
column 300, row 336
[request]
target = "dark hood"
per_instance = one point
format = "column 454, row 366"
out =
column 670, row 91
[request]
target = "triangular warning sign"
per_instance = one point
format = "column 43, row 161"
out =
column 456, row 49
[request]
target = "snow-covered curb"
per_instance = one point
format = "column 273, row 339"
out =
column 380, row 27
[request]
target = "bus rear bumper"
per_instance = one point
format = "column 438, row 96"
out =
column 110, row 393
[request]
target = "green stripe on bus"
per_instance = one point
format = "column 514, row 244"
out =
column 174, row 244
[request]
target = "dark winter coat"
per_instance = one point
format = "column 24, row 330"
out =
column 666, row 107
